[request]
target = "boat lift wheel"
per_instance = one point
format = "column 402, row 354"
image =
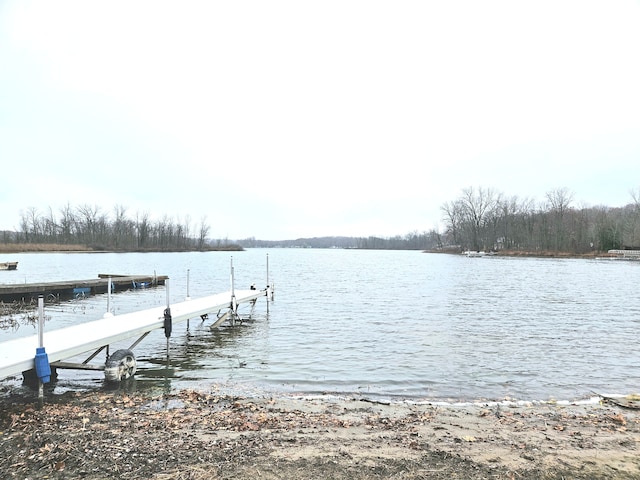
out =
column 120, row 366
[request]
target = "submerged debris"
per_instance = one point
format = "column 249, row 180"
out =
column 21, row 312
column 17, row 313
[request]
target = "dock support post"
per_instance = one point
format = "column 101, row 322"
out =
column 188, row 296
column 109, row 313
column 270, row 289
column 40, row 321
column 268, row 284
column 168, row 321
column 234, row 304
column 40, row 344
column 43, row 369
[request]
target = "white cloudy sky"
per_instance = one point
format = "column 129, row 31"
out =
column 283, row 119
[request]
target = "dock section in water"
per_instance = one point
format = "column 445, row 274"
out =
column 17, row 356
column 29, row 292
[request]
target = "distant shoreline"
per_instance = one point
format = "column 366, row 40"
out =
column 76, row 248
column 62, row 248
column 525, row 254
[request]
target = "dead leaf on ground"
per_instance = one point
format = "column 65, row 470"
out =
column 619, row 418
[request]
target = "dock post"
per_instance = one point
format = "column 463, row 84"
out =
column 109, row 295
column 188, row 296
column 168, row 321
column 234, row 304
column 270, row 288
column 40, row 321
column 43, row 369
column 108, row 313
column 268, row 284
column 40, row 344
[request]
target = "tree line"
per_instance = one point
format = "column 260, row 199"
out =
column 479, row 219
column 117, row 230
column 100, row 230
column 411, row 241
column 485, row 219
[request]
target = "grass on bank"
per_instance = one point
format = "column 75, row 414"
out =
column 41, row 247
column 64, row 248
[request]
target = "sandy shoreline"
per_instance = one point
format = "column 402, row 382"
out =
column 193, row 435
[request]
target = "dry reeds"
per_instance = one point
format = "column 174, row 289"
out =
column 41, row 247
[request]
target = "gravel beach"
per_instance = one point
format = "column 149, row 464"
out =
column 194, row 435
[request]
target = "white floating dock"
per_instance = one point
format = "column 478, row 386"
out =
column 17, row 356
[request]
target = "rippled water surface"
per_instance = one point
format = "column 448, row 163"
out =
column 387, row 323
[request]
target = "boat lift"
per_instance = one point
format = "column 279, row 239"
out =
column 17, row 356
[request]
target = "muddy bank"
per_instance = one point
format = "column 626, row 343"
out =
column 190, row 435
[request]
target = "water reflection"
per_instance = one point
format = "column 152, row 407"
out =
column 199, row 348
column 397, row 324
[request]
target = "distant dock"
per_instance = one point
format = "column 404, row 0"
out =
column 28, row 292
column 624, row 254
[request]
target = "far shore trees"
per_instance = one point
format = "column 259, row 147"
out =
column 478, row 219
column 483, row 219
column 100, row 230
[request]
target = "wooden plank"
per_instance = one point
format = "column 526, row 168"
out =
column 77, row 366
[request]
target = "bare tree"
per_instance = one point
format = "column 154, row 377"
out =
column 453, row 217
column 119, row 225
column 33, row 224
column 632, row 226
column 477, row 204
column 50, row 227
column 187, row 229
column 88, row 217
column 559, row 201
column 204, row 231
column 67, row 222
column 143, row 226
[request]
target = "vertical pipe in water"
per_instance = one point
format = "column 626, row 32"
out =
column 40, row 321
column 234, row 308
column 188, row 296
column 167, row 332
column 268, row 284
column 40, row 344
column 109, row 288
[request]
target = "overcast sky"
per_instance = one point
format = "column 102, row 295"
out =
column 286, row 119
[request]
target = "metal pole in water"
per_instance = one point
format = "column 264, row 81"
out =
column 168, row 321
column 234, row 308
column 188, row 296
column 40, row 321
column 40, row 343
column 109, row 288
column 268, row 284
column 270, row 287
column 232, row 279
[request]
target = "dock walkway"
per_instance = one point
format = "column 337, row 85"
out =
column 29, row 292
column 17, row 356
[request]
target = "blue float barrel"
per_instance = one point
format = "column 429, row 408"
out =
column 43, row 369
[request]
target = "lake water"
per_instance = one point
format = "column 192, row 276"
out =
column 384, row 324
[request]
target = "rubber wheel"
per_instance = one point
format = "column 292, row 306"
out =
column 120, row 366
